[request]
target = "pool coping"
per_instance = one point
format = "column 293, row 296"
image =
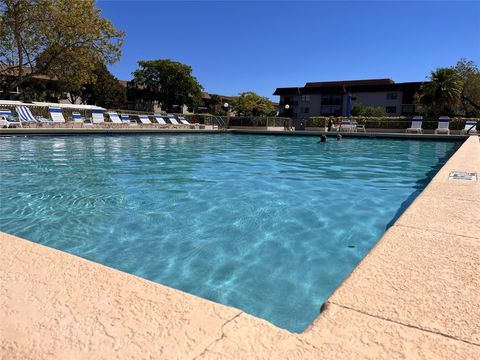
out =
column 102, row 130
column 157, row 130
column 396, row 303
column 383, row 135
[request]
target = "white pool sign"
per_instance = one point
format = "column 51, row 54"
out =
column 465, row 176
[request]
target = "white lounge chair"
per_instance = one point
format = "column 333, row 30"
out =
column 416, row 125
column 9, row 119
column 114, row 118
column 173, row 120
column 470, row 127
column 144, row 119
column 4, row 122
column 77, row 118
column 126, row 120
column 97, row 116
column 56, row 115
column 348, row 125
column 160, row 119
column 25, row 115
column 185, row 122
column 443, row 123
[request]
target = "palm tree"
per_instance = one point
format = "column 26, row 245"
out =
column 443, row 92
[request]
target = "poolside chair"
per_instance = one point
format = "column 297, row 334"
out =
column 9, row 119
column 470, row 127
column 348, row 125
column 97, row 116
column 126, row 120
column 185, row 122
column 56, row 115
column 443, row 123
column 77, row 118
column 416, row 125
column 4, row 122
column 25, row 115
column 114, row 118
column 173, row 120
column 144, row 119
column 160, row 119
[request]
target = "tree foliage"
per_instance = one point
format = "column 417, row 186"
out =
column 215, row 104
column 469, row 75
column 442, row 93
column 105, row 90
column 63, row 39
column 167, row 83
column 251, row 104
column 367, row 111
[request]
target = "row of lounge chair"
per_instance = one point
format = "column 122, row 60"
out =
column 442, row 127
column 25, row 117
column 348, row 125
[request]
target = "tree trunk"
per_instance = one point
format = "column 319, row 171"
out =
column 18, row 41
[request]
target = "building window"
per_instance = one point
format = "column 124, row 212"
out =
column 306, row 98
column 331, row 99
column 392, row 96
column 304, row 110
column 391, row 109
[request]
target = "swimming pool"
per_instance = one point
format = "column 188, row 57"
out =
column 270, row 225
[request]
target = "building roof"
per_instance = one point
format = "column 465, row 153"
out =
column 47, row 104
column 338, row 87
column 350, row 83
column 6, row 70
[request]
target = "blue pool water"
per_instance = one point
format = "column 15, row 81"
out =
column 270, row 225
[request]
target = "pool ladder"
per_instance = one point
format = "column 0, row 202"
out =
column 221, row 124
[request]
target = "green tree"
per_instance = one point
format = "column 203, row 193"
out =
column 105, row 90
column 469, row 74
column 368, row 111
column 167, row 83
column 60, row 38
column 251, row 104
column 442, row 93
column 214, row 104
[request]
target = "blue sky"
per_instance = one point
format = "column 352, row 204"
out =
column 258, row 46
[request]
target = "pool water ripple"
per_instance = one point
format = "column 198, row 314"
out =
column 270, row 225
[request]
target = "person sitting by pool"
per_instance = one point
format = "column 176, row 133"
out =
column 323, row 138
column 330, row 124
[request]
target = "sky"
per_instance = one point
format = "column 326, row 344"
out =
column 236, row 46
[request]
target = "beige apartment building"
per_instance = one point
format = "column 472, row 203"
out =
column 329, row 98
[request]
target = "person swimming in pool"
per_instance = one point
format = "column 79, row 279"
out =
column 323, row 138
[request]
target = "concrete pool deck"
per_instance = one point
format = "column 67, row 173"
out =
column 415, row 295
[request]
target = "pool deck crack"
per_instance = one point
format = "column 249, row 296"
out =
column 405, row 324
column 222, row 336
column 436, row 231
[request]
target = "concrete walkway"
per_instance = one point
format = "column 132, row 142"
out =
column 416, row 295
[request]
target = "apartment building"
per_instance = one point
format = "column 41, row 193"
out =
column 330, row 97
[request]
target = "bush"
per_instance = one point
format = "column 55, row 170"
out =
column 389, row 122
column 368, row 111
column 255, row 121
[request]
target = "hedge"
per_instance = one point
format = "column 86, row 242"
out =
column 390, row 122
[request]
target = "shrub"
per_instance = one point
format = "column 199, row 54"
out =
column 389, row 122
column 368, row 111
